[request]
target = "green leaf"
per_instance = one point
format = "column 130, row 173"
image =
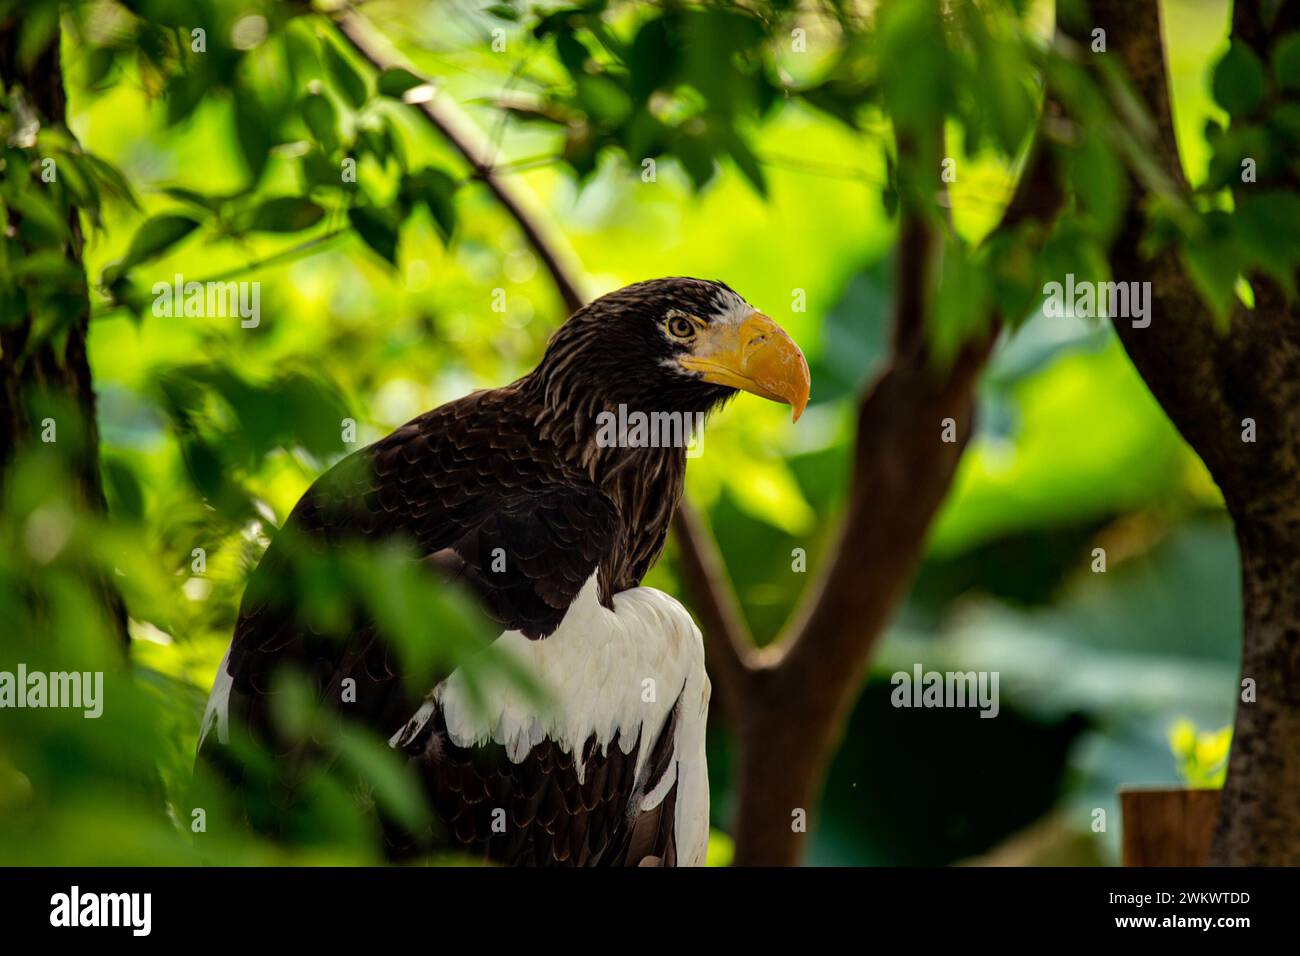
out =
column 651, row 59
column 696, row 158
column 377, row 229
column 395, row 81
column 603, row 99
column 1099, row 180
column 1267, row 226
column 395, row 788
column 125, row 496
column 50, row 268
column 502, row 11
column 962, row 304
column 193, row 197
column 156, row 236
column 253, row 132
column 39, row 28
column 917, row 73
column 286, row 214
column 435, row 189
column 747, row 162
column 321, row 119
column 1214, row 262
column 1286, row 62
column 1239, row 81
column 109, row 178
column 319, row 170
column 1285, row 120
column 348, row 80
column 42, row 224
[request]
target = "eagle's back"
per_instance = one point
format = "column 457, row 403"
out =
column 484, row 498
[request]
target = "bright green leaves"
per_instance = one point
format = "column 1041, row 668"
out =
column 380, row 226
column 1202, row 755
column 47, row 183
column 999, row 76
column 1262, row 235
column 154, row 238
column 917, row 70
column 682, row 83
column 1253, row 158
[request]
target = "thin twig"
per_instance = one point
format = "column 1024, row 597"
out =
column 464, row 140
column 275, row 258
column 726, row 635
column 728, row 644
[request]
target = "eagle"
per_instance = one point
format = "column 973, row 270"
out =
column 524, row 497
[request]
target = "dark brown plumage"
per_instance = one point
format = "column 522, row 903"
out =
column 513, row 471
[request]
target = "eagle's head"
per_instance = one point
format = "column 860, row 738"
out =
column 675, row 345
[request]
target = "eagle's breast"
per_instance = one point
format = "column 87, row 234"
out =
column 612, row 680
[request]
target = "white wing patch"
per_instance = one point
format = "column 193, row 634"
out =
column 218, row 710
column 606, row 672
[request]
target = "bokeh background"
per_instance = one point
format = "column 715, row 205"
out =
column 1107, row 679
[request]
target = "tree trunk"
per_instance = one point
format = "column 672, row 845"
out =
column 792, row 717
column 799, row 691
column 1235, row 397
column 54, row 373
column 1260, row 822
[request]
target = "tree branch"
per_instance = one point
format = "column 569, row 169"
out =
column 728, row 644
column 465, row 140
column 899, row 457
column 901, row 473
column 726, row 635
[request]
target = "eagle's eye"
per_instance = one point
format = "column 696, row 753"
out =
column 680, row 327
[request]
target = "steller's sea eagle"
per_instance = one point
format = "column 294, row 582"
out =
column 599, row 776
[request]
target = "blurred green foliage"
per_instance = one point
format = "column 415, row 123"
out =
column 771, row 130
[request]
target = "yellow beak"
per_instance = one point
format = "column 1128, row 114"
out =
column 755, row 356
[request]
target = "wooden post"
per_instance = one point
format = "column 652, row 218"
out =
column 1168, row 827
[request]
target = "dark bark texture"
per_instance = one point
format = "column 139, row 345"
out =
column 1211, row 382
column 55, row 371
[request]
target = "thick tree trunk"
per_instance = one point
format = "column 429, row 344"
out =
column 1261, row 822
column 1235, row 397
column 54, row 372
column 792, row 718
column 798, row 692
